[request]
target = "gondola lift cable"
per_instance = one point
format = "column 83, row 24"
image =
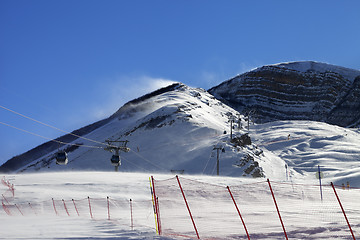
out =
column 47, row 125
column 52, row 140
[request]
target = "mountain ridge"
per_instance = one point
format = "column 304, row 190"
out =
column 32, row 154
column 304, row 66
column 305, row 91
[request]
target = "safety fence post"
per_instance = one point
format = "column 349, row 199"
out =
column 90, row 207
column 277, row 208
column 66, row 208
column 188, row 208
column 5, row 198
column 9, row 185
column 75, row 207
column 108, row 207
column 228, row 188
column 54, row 206
column 32, row 209
column 6, row 209
column 156, row 201
column 153, row 203
column 13, row 190
column 319, row 173
column 19, row 209
column 342, row 209
column 131, row 216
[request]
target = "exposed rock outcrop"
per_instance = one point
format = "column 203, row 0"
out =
column 275, row 92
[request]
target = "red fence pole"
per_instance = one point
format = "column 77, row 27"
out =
column 19, row 209
column 12, row 189
column 108, row 207
column 156, row 200
column 6, row 209
column 342, row 209
column 54, row 206
column 5, row 198
column 3, row 181
column 154, row 207
column 228, row 188
column 187, row 205
column 66, row 208
column 282, row 224
column 90, row 207
column 75, row 207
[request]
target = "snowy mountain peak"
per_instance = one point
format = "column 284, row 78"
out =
column 176, row 128
column 308, row 66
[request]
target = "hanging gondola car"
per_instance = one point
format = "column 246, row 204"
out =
column 61, row 158
column 115, row 160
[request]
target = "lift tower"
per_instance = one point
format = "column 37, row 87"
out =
column 218, row 148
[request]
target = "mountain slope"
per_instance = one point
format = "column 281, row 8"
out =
column 304, row 145
column 172, row 129
column 295, row 91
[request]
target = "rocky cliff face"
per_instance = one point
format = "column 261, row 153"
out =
column 297, row 91
column 348, row 110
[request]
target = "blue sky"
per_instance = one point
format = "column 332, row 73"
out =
column 70, row 63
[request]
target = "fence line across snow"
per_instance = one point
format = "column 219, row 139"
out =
column 266, row 210
column 127, row 211
column 192, row 209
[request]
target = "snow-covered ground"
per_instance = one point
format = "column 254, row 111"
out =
column 304, row 145
column 304, row 215
column 41, row 222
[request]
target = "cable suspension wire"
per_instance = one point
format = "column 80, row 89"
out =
column 148, row 160
column 123, row 158
column 53, row 140
column 72, row 144
column 47, row 125
column 80, row 145
column 207, row 162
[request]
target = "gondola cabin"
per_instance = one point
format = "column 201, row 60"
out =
column 115, row 160
column 61, row 158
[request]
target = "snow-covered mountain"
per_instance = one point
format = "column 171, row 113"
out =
column 173, row 129
column 180, row 129
column 295, row 91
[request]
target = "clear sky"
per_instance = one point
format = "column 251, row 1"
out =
column 68, row 63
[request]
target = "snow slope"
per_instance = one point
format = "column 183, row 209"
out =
column 303, row 145
column 172, row 131
column 299, row 208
